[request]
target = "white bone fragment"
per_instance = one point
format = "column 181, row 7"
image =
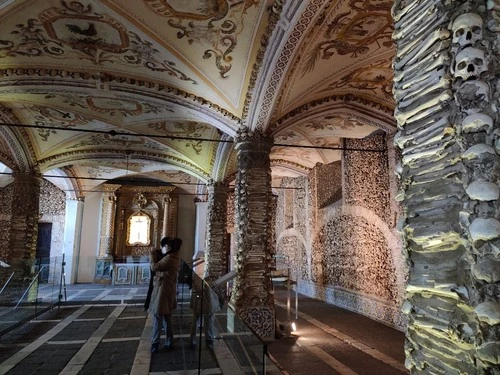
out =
column 400, row 34
column 432, row 105
column 488, row 312
column 487, row 270
column 491, row 5
column 420, row 26
column 422, row 79
column 483, row 191
column 429, row 140
column 402, row 140
column 477, row 150
column 489, row 351
column 409, row 158
column 415, row 12
column 427, row 64
column 443, row 83
column 493, row 24
column 424, row 47
column 484, row 229
column 435, row 50
column 398, row 13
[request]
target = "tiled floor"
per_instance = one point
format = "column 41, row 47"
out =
column 105, row 330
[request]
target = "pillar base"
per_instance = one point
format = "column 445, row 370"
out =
column 261, row 321
column 103, row 270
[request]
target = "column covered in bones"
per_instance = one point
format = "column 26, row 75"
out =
column 216, row 235
column 252, row 291
column 24, row 223
column 447, row 100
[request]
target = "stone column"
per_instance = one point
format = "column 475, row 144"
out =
column 216, row 256
column 201, row 226
column 24, row 222
column 104, row 261
column 166, row 205
column 108, row 221
column 72, row 232
column 446, row 90
column 252, row 296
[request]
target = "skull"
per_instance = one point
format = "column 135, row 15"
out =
column 477, row 122
column 473, row 96
column 470, row 63
column 467, row 29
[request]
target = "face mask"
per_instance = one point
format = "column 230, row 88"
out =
column 164, row 250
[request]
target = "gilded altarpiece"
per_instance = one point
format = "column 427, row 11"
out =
column 124, row 250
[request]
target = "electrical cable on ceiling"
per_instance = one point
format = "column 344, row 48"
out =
column 143, row 181
column 114, row 133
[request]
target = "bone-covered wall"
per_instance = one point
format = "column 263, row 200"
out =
column 53, row 210
column 366, row 175
column 329, row 193
column 52, row 204
column 446, row 88
column 6, row 196
column 345, row 252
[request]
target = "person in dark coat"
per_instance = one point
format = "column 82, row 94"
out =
column 165, row 266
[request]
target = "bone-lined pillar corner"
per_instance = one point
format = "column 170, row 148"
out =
column 24, row 222
column 252, row 296
column 446, row 90
column 216, row 256
column 108, row 220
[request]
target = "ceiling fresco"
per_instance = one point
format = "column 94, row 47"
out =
column 99, row 90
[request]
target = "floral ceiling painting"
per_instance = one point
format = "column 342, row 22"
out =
column 160, row 88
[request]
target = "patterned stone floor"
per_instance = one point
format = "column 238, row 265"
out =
column 104, row 330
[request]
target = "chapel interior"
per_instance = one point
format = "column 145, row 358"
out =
column 354, row 144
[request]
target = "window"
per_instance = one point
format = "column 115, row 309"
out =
column 138, row 230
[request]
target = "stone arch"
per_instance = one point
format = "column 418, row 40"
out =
column 15, row 155
column 353, row 108
column 62, row 179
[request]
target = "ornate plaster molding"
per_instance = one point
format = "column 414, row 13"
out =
column 290, row 165
column 58, row 161
column 364, row 110
column 29, row 76
column 7, row 160
column 280, row 52
column 274, row 16
column 222, row 155
column 22, row 154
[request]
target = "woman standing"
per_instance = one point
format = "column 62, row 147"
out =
column 164, row 273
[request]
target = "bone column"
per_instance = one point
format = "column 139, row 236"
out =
column 24, row 222
column 445, row 87
column 252, row 296
column 216, row 232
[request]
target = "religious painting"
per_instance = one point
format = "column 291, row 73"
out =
column 83, row 31
column 191, row 9
column 138, row 230
column 112, row 105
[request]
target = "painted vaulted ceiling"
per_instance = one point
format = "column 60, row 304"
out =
column 99, row 90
